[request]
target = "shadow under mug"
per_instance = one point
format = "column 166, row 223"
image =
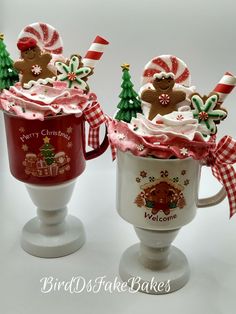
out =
column 159, row 194
column 48, row 152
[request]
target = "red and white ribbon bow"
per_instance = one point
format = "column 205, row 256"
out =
column 95, row 117
column 221, row 160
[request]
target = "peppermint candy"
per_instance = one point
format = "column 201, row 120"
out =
column 46, row 36
column 164, row 99
column 36, row 69
column 167, row 64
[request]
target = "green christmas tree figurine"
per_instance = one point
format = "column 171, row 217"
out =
column 47, row 151
column 8, row 75
column 130, row 103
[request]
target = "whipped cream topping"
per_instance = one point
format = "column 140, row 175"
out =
column 176, row 124
column 40, row 101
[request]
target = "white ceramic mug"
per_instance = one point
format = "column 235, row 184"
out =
column 159, row 194
column 158, row 197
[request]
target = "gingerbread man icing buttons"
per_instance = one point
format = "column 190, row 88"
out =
column 34, row 63
column 163, row 98
column 205, row 110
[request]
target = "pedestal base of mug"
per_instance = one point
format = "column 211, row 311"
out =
column 154, row 281
column 63, row 242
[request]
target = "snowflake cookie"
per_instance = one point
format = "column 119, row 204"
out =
column 74, row 74
column 204, row 110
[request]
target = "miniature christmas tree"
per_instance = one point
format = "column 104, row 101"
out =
column 47, row 151
column 8, row 75
column 130, row 103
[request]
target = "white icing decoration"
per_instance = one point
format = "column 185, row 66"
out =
column 40, row 81
column 163, row 75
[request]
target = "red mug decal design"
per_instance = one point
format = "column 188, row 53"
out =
column 48, row 152
column 47, row 163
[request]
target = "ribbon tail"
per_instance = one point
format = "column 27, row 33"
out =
column 95, row 117
column 109, row 121
column 226, row 175
column 93, row 137
column 113, row 150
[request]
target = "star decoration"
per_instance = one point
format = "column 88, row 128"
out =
column 46, row 140
column 21, row 129
column 140, row 147
column 25, row 147
column 121, row 136
column 125, row 66
column 69, row 130
column 184, row 151
column 186, row 182
column 183, row 172
column 69, row 145
column 143, row 174
column 73, row 74
column 205, row 113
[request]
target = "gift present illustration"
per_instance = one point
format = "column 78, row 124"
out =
column 47, row 163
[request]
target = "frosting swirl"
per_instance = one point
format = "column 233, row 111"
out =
column 41, row 101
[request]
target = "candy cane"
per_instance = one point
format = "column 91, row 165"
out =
column 167, row 63
column 225, row 86
column 95, row 51
column 47, row 37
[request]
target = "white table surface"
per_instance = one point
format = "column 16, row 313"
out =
column 208, row 242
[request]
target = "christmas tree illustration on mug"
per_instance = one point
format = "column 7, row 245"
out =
column 46, row 163
column 47, row 150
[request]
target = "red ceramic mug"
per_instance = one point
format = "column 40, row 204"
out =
column 48, row 152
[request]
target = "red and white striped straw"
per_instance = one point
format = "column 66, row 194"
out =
column 95, row 52
column 225, row 86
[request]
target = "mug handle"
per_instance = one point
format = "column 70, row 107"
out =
column 98, row 151
column 212, row 200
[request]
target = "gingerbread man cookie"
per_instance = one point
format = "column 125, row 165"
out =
column 34, row 63
column 163, row 99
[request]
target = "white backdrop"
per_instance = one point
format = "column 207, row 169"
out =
column 202, row 33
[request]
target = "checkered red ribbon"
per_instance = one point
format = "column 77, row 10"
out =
column 95, row 117
column 112, row 146
column 221, row 160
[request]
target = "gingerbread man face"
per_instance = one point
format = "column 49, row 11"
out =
column 164, row 83
column 162, row 98
column 31, row 53
column 34, row 63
